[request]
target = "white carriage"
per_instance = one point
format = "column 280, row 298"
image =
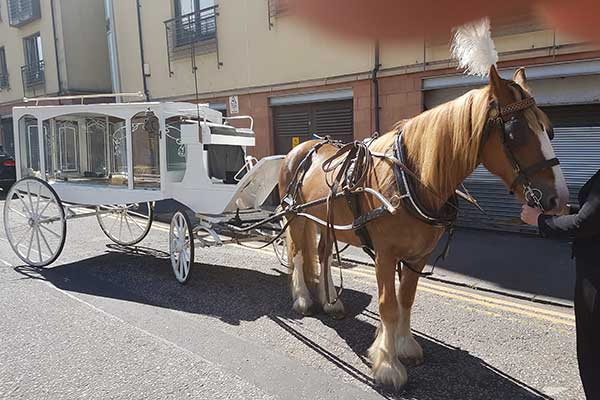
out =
column 113, row 161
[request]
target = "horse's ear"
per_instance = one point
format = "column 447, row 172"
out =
column 496, row 82
column 520, row 76
column 521, row 79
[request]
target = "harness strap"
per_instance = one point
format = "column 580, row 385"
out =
column 524, row 174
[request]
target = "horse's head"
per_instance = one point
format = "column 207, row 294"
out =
column 516, row 145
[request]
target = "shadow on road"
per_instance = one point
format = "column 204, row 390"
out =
column 235, row 294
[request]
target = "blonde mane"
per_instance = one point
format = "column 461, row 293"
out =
column 442, row 144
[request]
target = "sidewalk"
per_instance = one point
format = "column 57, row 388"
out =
column 527, row 267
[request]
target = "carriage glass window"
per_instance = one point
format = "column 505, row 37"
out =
column 176, row 151
column 29, row 143
column 145, row 132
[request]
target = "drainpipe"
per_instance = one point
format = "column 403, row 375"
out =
column 143, row 59
column 60, row 88
column 376, row 68
column 113, row 54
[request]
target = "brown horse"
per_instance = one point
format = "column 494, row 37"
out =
column 443, row 146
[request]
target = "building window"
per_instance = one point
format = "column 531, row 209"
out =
column 3, row 70
column 195, row 21
column 33, row 70
column 278, row 7
column 21, row 12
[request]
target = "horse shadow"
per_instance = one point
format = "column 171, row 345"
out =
column 236, row 294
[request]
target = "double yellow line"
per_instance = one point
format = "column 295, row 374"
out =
column 488, row 302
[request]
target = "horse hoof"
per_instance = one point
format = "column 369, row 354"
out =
column 335, row 310
column 303, row 306
column 390, row 373
column 409, row 351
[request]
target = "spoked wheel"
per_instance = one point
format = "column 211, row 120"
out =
column 34, row 221
column 126, row 224
column 181, row 246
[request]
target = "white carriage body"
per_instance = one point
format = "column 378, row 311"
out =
column 122, row 153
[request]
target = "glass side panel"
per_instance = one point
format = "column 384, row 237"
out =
column 145, row 132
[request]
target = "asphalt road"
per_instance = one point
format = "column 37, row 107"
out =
column 106, row 322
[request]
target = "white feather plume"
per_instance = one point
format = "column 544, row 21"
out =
column 474, row 47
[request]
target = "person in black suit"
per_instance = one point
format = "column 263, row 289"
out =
column 583, row 225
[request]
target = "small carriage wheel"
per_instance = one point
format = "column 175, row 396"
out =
column 181, row 246
column 35, row 222
column 126, row 224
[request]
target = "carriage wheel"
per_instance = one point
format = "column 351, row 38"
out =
column 126, row 224
column 181, row 246
column 35, row 222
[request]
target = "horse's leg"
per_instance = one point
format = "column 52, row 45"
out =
column 409, row 350
column 336, row 308
column 387, row 369
column 300, row 254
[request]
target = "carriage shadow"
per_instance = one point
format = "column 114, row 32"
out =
column 235, row 295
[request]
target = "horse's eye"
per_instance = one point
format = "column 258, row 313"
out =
column 512, row 127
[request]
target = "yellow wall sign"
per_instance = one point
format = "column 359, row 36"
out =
column 295, row 141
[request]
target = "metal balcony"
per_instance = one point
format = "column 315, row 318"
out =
column 192, row 34
column 21, row 12
column 4, row 81
column 33, row 75
column 196, row 27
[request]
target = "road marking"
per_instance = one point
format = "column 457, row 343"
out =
column 480, row 302
column 461, row 295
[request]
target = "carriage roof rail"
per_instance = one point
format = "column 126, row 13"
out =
column 83, row 97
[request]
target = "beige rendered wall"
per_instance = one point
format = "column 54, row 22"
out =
column 12, row 40
column 252, row 55
column 85, row 46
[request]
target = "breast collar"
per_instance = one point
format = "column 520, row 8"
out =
column 445, row 217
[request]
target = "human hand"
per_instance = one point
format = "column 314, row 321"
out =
column 530, row 215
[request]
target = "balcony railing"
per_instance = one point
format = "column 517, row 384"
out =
column 20, row 12
column 194, row 33
column 4, row 80
column 33, row 74
column 199, row 26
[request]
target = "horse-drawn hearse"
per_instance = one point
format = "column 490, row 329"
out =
column 394, row 194
column 114, row 161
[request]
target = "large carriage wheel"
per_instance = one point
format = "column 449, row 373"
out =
column 34, row 221
column 126, row 224
column 181, row 246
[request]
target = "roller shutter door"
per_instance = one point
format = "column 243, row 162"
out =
column 578, row 149
column 333, row 118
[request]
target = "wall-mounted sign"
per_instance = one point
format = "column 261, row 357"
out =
column 234, row 105
column 295, row 141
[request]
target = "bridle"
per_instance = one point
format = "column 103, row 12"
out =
column 506, row 119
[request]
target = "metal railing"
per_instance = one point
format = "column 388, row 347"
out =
column 21, row 12
column 192, row 34
column 33, row 74
column 4, row 81
column 195, row 27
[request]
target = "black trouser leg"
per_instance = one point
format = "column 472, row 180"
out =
column 587, row 313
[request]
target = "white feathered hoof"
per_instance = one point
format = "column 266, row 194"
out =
column 390, row 373
column 335, row 310
column 303, row 305
column 387, row 370
column 409, row 350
